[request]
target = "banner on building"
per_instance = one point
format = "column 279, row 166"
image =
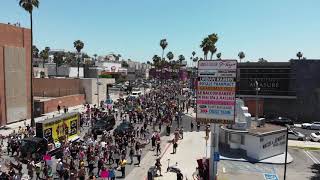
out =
column 216, row 91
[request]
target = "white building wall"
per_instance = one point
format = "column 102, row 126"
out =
column 272, row 145
column 252, row 144
column 90, row 87
column 109, row 66
column 73, row 72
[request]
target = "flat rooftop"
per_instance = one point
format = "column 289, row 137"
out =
column 266, row 129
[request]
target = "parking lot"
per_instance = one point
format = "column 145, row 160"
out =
column 305, row 166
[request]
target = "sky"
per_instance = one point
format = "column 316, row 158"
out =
column 271, row 29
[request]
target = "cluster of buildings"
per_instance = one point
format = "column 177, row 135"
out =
column 65, row 90
column 269, row 89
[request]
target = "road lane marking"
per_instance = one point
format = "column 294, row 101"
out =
column 315, row 160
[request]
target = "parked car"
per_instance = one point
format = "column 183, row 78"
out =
column 282, row 121
column 104, row 124
column 314, row 125
column 315, row 136
column 124, row 127
column 296, row 135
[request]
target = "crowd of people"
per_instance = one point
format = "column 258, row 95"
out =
column 103, row 156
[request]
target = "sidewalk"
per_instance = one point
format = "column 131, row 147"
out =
column 304, row 144
column 190, row 148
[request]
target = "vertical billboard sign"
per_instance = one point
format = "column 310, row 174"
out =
column 216, row 91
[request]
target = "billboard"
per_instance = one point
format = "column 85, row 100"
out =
column 216, row 91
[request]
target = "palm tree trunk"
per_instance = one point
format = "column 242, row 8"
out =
column 78, row 66
column 43, row 60
column 211, row 56
column 56, row 70
column 161, row 77
column 31, row 74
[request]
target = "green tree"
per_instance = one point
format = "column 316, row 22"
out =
column 44, row 55
column 181, row 58
column 262, row 60
column 219, row 56
column 163, row 45
column 299, row 55
column 95, row 56
column 193, row 53
column 28, row 6
column 170, row 56
column 124, row 64
column 35, row 52
column 205, row 47
column 212, row 43
column 241, row 55
column 208, row 45
column 58, row 60
column 79, row 46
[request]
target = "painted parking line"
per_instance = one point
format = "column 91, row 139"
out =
column 246, row 167
column 312, row 157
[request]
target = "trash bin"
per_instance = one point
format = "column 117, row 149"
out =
column 151, row 173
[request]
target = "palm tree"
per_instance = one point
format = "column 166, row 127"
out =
column 44, row 55
column 299, row 55
column 95, row 57
column 219, row 56
column 79, row 46
column 58, row 60
column 163, row 44
column 170, row 56
column 212, row 49
column 241, row 55
column 193, row 53
column 35, row 51
column 181, row 58
column 262, row 60
column 28, row 6
column 205, row 47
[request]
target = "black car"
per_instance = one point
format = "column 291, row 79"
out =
column 281, row 121
column 105, row 123
column 124, row 127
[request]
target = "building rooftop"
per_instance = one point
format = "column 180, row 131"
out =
column 266, row 129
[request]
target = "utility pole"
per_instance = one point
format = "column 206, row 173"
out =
column 286, row 154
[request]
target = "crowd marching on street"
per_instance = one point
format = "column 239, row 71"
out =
column 104, row 156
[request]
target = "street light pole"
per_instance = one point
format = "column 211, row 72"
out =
column 286, row 155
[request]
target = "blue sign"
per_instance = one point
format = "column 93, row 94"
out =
column 216, row 156
column 270, row 176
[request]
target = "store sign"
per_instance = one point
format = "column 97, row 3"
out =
column 277, row 141
column 216, row 91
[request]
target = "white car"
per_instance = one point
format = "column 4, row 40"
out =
column 314, row 125
column 315, row 136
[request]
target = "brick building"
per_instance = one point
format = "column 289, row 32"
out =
column 14, row 73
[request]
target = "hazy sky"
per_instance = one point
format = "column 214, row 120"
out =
column 272, row 29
